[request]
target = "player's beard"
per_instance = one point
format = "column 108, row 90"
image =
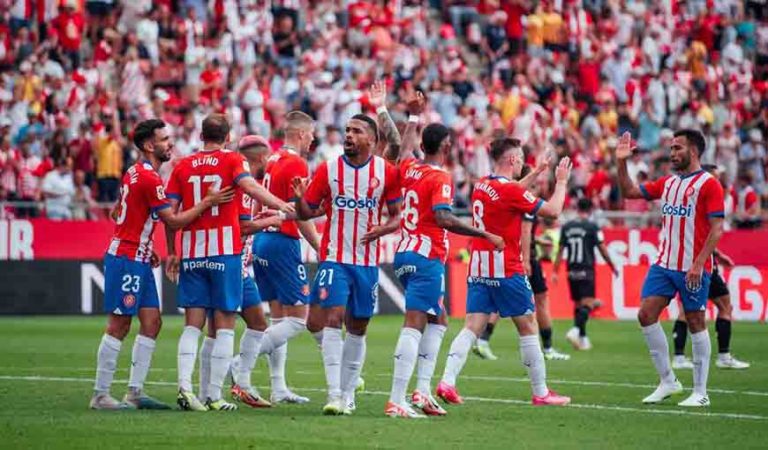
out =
column 683, row 164
column 164, row 155
column 350, row 149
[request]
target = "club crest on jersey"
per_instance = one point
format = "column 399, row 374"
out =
column 530, row 197
column 676, row 210
column 305, row 289
column 323, row 294
column 690, row 192
column 352, row 203
column 129, row 300
column 374, row 183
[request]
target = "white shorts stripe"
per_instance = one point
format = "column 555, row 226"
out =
column 498, row 264
column 199, row 244
column 186, row 244
column 485, row 264
column 228, row 241
column 213, row 242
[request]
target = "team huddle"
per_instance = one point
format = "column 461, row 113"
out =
column 241, row 215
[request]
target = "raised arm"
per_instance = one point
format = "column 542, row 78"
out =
column 628, row 188
column 377, row 95
column 415, row 104
column 554, row 207
column 542, row 165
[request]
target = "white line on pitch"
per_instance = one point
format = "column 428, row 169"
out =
column 467, row 377
column 674, row 412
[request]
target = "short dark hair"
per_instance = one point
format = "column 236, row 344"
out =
column 709, row 167
column 694, row 137
column 500, row 146
column 215, row 128
column 432, row 136
column 584, row 205
column 145, row 130
column 371, row 124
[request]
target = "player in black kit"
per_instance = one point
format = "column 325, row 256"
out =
column 581, row 237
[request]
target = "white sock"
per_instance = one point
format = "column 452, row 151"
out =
column 221, row 358
column 429, row 348
column 187, row 353
column 143, row 348
column 406, row 352
column 276, row 362
column 106, row 363
column 533, row 360
column 281, row 331
column 318, row 335
column 250, row 343
column 352, row 360
column 659, row 349
column 332, row 350
column 702, row 350
column 457, row 355
column 205, row 367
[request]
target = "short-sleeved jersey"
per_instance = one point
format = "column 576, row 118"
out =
column 498, row 206
column 282, row 167
column 425, row 189
column 580, row 237
column 246, row 207
column 534, row 224
column 141, row 197
column 687, row 204
column 353, row 197
column 217, row 231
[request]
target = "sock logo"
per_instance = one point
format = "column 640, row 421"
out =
column 423, row 355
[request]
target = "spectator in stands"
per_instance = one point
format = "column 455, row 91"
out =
column 58, row 189
column 752, row 159
column 108, row 148
column 747, row 203
column 83, row 204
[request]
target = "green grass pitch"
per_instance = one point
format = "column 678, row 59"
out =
column 47, row 364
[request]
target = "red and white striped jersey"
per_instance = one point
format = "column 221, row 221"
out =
column 141, row 196
column 247, row 206
column 353, row 198
column 498, row 206
column 687, row 204
column 425, row 189
column 282, row 167
column 217, row 231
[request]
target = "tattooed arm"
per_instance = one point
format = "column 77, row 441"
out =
column 377, row 96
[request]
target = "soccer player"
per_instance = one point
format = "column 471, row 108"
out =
column 211, row 266
column 692, row 224
column 536, row 277
column 255, row 149
column 719, row 295
column 129, row 283
column 353, row 188
column 420, row 266
column 278, row 269
column 581, row 237
column 497, row 281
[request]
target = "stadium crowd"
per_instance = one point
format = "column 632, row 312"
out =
column 567, row 75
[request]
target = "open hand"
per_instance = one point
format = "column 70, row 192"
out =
column 563, row 170
column 624, row 148
column 172, row 268
column 377, row 94
column 299, row 186
column 415, row 103
column 214, row 197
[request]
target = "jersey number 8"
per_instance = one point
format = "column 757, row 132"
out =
column 477, row 215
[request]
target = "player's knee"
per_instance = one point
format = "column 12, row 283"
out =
column 646, row 317
column 151, row 327
column 119, row 328
column 334, row 319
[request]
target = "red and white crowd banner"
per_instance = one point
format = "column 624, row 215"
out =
column 632, row 250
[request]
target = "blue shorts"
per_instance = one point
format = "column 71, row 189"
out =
column 661, row 282
column 423, row 280
column 354, row 287
column 128, row 286
column 278, row 270
column 510, row 297
column 251, row 296
column 215, row 282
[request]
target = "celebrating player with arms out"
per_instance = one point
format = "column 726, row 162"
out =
column 581, row 237
column 211, row 266
column 353, row 188
column 692, row 224
column 420, row 266
column 497, row 281
column 279, row 271
column 130, row 287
